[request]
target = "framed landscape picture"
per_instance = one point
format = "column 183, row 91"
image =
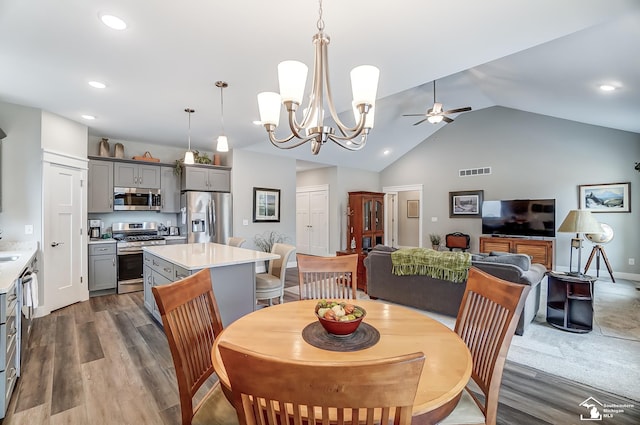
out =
column 606, row 197
column 266, row 205
column 465, row 204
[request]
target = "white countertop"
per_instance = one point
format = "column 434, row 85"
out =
column 11, row 270
column 99, row 241
column 195, row 256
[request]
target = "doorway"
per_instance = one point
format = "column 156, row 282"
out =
column 312, row 224
column 403, row 224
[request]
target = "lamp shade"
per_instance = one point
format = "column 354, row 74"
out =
column 292, row 76
column 188, row 157
column 223, row 144
column 434, row 119
column 364, row 84
column 269, row 106
column 580, row 221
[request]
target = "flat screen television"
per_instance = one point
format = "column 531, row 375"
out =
column 519, row 217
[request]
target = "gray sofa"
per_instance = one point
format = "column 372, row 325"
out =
column 442, row 296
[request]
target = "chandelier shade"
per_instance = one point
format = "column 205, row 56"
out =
column 310, row 127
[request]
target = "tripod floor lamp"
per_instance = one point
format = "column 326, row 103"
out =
column 578, row 221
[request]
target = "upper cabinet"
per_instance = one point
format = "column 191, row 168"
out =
column 136, row 175
column 100, row 186
column 206, row 179
column 170, row 190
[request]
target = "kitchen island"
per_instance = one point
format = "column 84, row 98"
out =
column 233, row 274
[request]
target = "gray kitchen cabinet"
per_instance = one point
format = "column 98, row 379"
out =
column 100, row 186
column 158, row 271
column 206, row 179
column 102, row 267
column 170, row 190
column 127, row 174
column 9, row 315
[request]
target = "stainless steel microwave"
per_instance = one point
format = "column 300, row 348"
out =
column 135, row 199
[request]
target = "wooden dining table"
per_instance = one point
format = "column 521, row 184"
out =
column 277, row 331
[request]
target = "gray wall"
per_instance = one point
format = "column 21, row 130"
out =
column 251, row 169
column 532, row 156
column 21, row 172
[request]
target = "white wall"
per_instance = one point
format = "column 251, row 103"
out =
column 532, row 156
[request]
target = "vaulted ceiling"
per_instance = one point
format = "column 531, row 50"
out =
column 543, row 56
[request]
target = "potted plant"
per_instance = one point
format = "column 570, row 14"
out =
column 435, row 240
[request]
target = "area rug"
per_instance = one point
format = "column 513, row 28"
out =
column 607, row 358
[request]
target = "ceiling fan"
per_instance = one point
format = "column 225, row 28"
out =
column 435, row 114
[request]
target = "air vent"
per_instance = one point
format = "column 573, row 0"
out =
column 482, row 171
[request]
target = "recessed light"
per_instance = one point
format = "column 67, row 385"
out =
column 386, row 152
column 88, row 117
column 257, row 122
column 607, row 87
column 113, row 22
column 97, row 84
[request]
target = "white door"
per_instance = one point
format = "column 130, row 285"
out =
column 63, row 238
column 312, row 224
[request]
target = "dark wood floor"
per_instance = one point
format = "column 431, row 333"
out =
column 106, row 361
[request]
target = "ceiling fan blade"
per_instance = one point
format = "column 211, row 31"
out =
column 413, row 115
column 455, row 111
column 447, row 119
column 420, row 122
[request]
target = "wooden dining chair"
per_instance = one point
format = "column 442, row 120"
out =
column 486, row 322
column 328, row 277
column 191, row 321
column 347, row 393
column 236, row 241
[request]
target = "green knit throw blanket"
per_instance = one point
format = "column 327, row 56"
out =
column 446, row 265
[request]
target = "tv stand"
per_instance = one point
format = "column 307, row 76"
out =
column 540, row 250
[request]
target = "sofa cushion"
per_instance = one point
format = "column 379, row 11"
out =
column 384, row 248
column 520, row 260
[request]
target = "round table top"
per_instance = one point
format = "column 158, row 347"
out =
column 277, row 331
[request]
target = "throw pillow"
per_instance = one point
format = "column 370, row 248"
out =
column 520, row 260
column 384, row 248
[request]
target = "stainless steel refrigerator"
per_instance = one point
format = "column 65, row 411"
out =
column 206, row 216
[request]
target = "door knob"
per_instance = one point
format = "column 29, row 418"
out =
column 54, row 244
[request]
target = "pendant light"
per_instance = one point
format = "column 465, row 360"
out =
column 223, row 144
column 188, row 155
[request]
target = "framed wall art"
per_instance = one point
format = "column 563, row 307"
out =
column 606, row 197
column 413, row 208
column 465, row 204
column 266, row 205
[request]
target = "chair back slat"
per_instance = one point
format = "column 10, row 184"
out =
column 321, row 392
column 487, row 318
column 191, row 322
column 328, row 277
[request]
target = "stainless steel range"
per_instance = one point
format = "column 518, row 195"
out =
column 131, row 237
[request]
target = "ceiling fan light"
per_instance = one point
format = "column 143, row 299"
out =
column 364, row 84
column 223, row 144
column 269, row 106
column 435, row 119
column 292, row 77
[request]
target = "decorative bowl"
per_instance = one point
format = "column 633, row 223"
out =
column 342, row 328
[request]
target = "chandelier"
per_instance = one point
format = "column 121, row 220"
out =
column 292, row 76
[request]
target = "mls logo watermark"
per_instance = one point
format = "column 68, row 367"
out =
column 593, row 407
column 595, row 410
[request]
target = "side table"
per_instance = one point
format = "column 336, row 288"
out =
column 570, row 302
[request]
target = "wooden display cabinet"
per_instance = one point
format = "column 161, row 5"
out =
column 540, row 250
column 365, row 228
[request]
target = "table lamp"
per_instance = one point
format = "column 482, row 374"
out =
column 578, row 221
